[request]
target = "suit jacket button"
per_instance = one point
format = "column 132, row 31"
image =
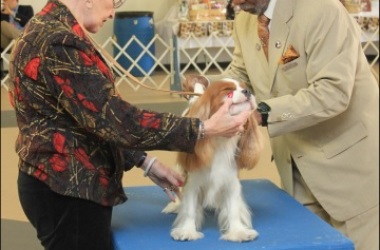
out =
column 258, row 47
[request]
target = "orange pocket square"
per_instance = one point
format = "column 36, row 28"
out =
column 290, row 55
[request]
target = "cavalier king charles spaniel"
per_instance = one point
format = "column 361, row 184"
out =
column 212, row 169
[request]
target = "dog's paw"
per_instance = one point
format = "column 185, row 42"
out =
column 240, row 235
column 181, row 234
column 172, row 207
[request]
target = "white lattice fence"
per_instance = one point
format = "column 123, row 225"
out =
column 372, row 46
column 200, row 55
column 166, row 62
column 5, row 63
column 148, row 74
column 179, row 56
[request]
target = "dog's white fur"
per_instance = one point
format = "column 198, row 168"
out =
column 212, row 170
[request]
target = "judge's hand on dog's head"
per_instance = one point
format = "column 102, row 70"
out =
column 224, row 124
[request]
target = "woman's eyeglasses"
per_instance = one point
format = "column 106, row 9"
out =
column 118, row 3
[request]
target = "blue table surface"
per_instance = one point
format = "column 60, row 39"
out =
column 281, row 221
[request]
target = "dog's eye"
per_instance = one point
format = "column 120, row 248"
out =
column 229, row 90
column 230, row 94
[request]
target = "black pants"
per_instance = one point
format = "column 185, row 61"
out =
column 64, row 223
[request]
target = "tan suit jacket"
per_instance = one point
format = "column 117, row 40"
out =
column 324, row 104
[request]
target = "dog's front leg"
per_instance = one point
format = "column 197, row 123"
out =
column 190, row 216
column 234, row 216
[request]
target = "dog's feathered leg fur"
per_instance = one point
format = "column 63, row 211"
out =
column 190, row 214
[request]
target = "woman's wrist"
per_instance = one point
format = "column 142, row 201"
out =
column 209, row 128
column 148, row 163
column 201, row 131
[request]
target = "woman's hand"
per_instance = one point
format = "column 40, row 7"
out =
column 223, row 124
column 164, row 177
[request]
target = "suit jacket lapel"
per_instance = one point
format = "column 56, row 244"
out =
column 253, row 43
column 279, row 31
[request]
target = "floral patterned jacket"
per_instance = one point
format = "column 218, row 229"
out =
column 75, row 133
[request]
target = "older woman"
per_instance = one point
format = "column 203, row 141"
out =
column 77, row 136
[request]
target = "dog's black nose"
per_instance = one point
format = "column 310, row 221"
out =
column 247, row 93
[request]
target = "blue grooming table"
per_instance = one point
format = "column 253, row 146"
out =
column 281, row 221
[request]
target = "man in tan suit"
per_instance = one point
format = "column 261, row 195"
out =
column 320, row 103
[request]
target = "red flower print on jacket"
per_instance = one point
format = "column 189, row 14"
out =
column 103, row 178
column 83, row 158
column 31, row 69
column 150, row 121
column 65, row 86
column 48, row 8
column 103, row 67
column 78, row 30
column 90, row 60
column 86, row 103
column 58, row 162
column 40, row 173
column 86, row 59
column 59, row 143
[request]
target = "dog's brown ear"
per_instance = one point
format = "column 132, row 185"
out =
column 200, row 158
column 190, row 81
column 250, row 145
